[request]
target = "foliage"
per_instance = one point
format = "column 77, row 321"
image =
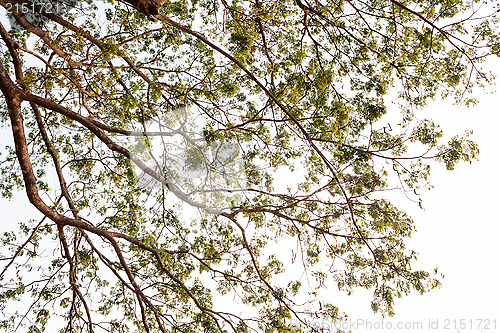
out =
column 195, row 149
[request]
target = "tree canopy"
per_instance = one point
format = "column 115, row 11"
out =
column 218, row 165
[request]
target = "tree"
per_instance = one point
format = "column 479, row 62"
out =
column 170, row 128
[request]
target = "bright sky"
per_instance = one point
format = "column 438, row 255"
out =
column 458, row 233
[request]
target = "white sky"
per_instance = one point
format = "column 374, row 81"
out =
column 458, row 232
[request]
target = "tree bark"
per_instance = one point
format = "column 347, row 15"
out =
column 148, row 7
